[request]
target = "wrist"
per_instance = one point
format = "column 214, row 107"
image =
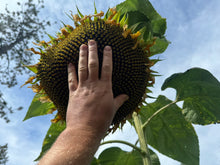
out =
column 85, row 132
column 73, row 146
column 90, row 129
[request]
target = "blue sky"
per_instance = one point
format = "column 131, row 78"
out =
column 192, row 28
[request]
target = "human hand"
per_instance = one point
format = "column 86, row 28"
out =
column 90, row 110
column 91, row 106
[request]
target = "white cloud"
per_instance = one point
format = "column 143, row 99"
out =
column 24, row 139
column 194, row 42
column 209, row 144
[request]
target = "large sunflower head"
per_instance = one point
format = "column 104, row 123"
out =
column 131, row 63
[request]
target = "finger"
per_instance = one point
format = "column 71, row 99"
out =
column 72, row 78
column 93, row 62
column 83, row 63
column 106, row 73
column 119, row 101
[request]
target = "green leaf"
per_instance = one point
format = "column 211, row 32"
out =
column 144, row 18
column 32, row 68
column 169, row 132
column 140, row 18
column 68, row 15
column 51, row 37
column 95, row 8
column 124, row 20
column 95, row 161
column 80, row 14
column 106, row 15
column 200, row 91
column 159, row 27
column 139, row 22
column 116, row 156
column 154, row 158
column 38, row 108
column 160, row 46
column 144, row 6
column 95, row 18
column 52, row 134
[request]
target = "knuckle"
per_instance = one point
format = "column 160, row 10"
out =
column 73, row 88
column 72, row 84
column 83, row 53
column 106, row 67
column 107, row 54
column 82, row 68
column 92, row 48
column 71, row 81
column 93, row 64
column 70, row 73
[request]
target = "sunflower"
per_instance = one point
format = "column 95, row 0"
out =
column 131, row 63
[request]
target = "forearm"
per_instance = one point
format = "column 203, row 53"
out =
column 72, row 147
column 90, row 110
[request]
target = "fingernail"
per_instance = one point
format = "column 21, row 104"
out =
column 108, row 48
column 126, row 97
column 83, row 47
column 91, row 42
column 70, row 65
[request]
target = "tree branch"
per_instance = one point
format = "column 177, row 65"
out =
column 5, row 48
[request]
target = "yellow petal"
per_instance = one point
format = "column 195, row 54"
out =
column 30, row 80
column 36, row 88
column 56, row 119
column 135, row 35
column 44, row 99
column 126, row 33
column 64, row 32
column 99, row 14
column 52, row 110
column 34, row 51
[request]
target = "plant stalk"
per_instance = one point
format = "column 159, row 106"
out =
column 126, row 143
column 142, row 139
column 158, row 111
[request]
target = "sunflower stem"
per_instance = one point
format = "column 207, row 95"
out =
column 142, row 139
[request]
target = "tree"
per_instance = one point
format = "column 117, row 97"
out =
column 3, row 154
column 17, row 29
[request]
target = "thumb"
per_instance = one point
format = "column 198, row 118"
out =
column 119, row 101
